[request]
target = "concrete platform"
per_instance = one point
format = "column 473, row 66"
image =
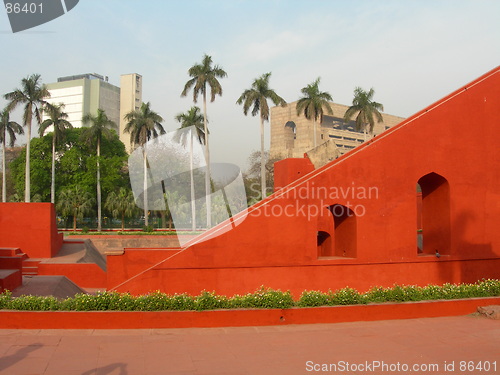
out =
column 57, row 286
column 304, row 349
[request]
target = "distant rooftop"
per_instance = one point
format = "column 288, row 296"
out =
column 83, row 76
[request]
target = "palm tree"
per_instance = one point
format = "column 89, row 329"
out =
column 121, row 204
column 58, row 120
column 12, row 128
column 366, row 109
column 100, row 126
column 313, row 102
column 32, row 95
column 203, row 74
column 256, row 97
column 143, row 125
column 192, row 118
column 75, row 202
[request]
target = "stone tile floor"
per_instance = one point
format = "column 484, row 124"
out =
column 438, row 343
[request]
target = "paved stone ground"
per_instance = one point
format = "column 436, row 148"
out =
column 294, row 349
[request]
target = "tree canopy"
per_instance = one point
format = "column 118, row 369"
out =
column 75, row 165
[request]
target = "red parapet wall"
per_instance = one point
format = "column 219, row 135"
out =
column 237, row 318
column 357, row 221
column 31, row 227
column 85, row 275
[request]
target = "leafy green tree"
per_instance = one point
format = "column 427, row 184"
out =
column 121, row 204
column 100, row 126
column 202, row 75
column 75, row 202
column 59, row 123
column 32, row 95
column 11, row 128
column 366, row 110
column 18, row 199
column 256, row 98
column 192, row 118
column 40, row 169
column 76, row 164
column 143, row 125
column 313, row 102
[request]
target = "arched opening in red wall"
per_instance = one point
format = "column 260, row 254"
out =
column 420, row 245
column 345, row 231
column 434, row 215
column 325, row 248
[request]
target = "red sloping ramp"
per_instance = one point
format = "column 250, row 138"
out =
column 354, row 221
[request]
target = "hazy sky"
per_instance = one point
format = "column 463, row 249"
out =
column 412, row 52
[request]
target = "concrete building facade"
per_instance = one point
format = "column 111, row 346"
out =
column 83, row 94
column 130, row 100
column 86, row 93
column 292, row 135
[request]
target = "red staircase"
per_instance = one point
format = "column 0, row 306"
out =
column 30, row 267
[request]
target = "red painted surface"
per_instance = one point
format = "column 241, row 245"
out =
column 85, row 275
column 287, row 171
column 236, row 318
column 134, row 261
column 294, row 241
column 31, row 227
column 10, row 280
column 351, row 223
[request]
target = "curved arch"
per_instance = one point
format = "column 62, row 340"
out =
column 290, row 134
column 433, row 215
column 324, row 243
column 337, row 232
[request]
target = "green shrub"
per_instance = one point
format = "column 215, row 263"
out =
column 210, row 301
column 33, row 303
column 263, row 298
column 398, row 293
column 347, row 296
column 314, row 298
column 147, row 228
column 5, row 298
column 489, row 287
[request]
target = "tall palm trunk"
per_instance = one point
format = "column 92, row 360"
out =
column 4, row 181
column 99, row 223
column 262, row 161
column 163, row 219
column 53, row 177
column 145, row 185
column 74, row 219
column 314, row 125
column 207, row 159
column 191, row 172
column 27, row 180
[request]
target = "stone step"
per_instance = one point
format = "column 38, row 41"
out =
column 12, row 252
column 11, row 262
column 30, row 267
